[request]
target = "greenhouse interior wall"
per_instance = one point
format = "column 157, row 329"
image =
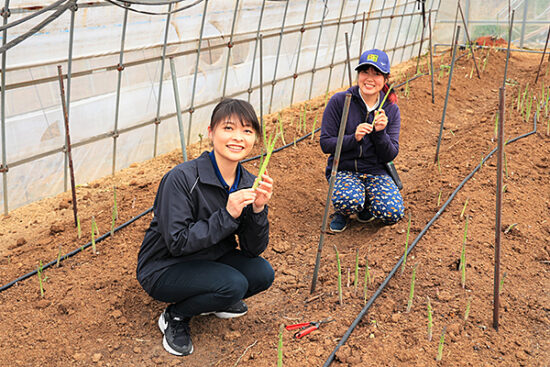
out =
column 116, row 61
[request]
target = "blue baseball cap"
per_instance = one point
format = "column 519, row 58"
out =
column 377, row 58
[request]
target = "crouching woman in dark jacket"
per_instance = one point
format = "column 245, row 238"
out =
column 190, row 257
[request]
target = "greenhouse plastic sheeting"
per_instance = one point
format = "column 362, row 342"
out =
column 34, row 121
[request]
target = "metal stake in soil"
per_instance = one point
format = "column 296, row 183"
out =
column 68, row 141
column 343, row 123
column 498, row 216
column 447, row 95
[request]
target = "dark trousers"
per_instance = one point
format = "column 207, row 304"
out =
column 200, row 286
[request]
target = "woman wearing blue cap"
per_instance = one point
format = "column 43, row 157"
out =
column 363, row 186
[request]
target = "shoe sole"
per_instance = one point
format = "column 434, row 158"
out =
column 229, row 315
column 365, row 221
column 169, row 349
column 338, row 230
column 162, row 323
column 162, row 326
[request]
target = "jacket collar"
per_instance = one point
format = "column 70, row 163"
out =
column 356, row 94
column 207, row 173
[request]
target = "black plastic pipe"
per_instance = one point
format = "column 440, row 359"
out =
column 420, row 235
column 74, row 252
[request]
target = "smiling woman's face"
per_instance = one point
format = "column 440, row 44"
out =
column 370, row 82
column 232, row 140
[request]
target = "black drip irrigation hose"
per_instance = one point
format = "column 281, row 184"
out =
column 108, row 234
column 74, row 252
column 416, row 240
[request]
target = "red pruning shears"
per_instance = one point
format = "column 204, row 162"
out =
column 307, row 327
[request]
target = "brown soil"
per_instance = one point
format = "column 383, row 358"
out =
column 95, row 313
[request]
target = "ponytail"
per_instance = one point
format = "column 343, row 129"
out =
column 392, row 97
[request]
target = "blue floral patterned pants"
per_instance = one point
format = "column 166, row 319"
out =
column 378, row 193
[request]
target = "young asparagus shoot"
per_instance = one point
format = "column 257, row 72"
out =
column 528, row 111
column 94, row 228
column 40, row 279
column 383, row 100
column 406, row 245
column 467, row 312
column 313, row 128
column 263, row 167
column 355, row 279
column 510, row 227
column 462, row 266
column 115, row 212
column 349, row 278
column 281, row 129
column 439, row 198
column 430, row 321
column 78, row 229
column 464, row 208
column 304, row 120
column 280, row 346
column 440, row 346
column 411, row 292
column 340, row 297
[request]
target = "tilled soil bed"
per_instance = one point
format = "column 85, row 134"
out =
column 94, row 312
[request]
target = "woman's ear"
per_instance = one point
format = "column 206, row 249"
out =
column 209, row 132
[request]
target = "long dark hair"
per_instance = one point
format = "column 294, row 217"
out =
column 235, row 107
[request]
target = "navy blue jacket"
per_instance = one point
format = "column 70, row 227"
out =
column 191, row 222
column 373, row 151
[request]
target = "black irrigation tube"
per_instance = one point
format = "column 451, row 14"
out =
column 416, row 240
column 147, row 211
column 74, row 252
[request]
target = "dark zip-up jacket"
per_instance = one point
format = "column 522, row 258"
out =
column 191, row 222
column 373, row 151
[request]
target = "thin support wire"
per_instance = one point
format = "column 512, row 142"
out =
column 407, row 35
column 399, row 28
column 261, row 41
column 469, row 40
column 415, row 35
column 69, row 73
column 379, row 22
column 331, row 66
column 161, row 79
column 256, row 50
column 68, row 141
column 229, row 47
column 295, row 75
column 274, row 81
column 4, row 168
column 447, row 94
column 325, row 12
column 119, row 83
column 389, row 25
column 431, row 56
column 178, row 109
column 194, row 89
column 351, row 36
